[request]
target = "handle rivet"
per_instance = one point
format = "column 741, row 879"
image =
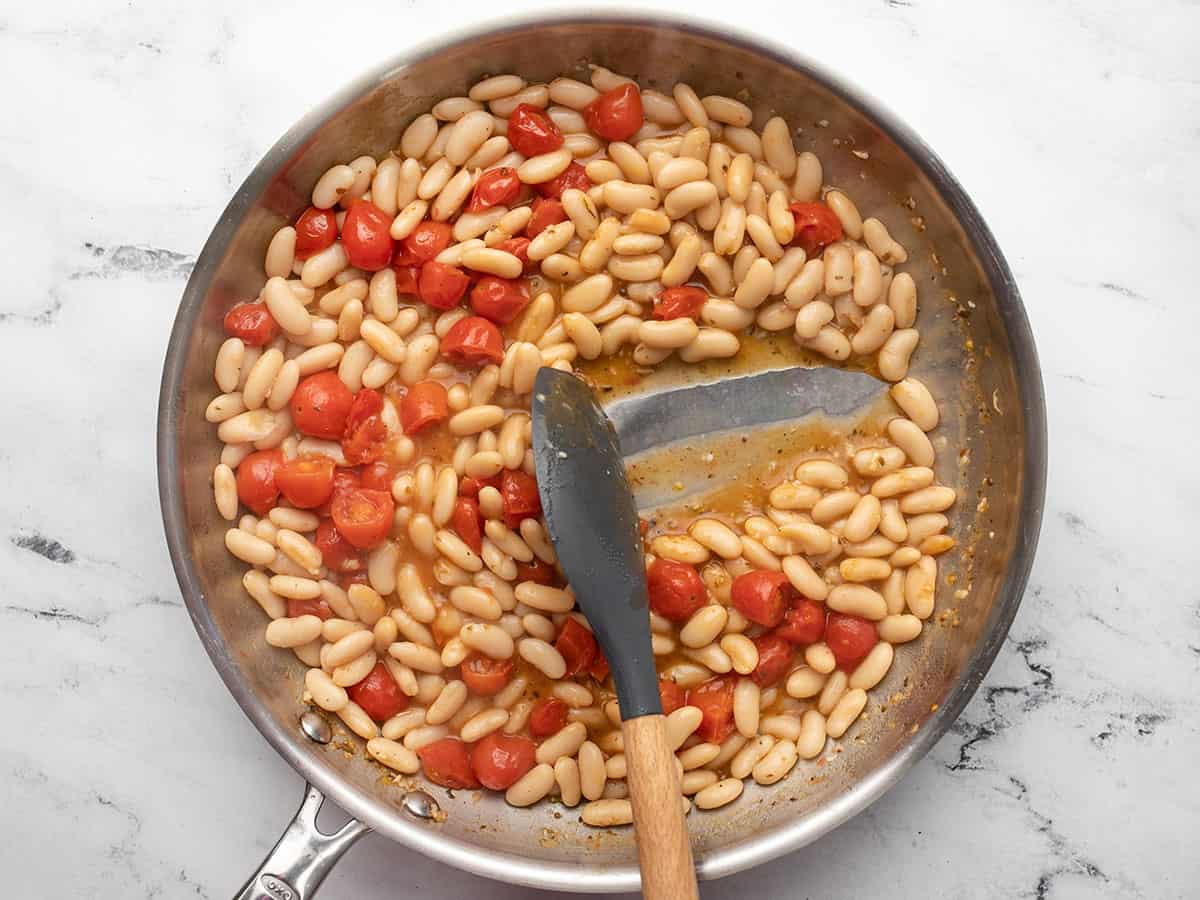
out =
column 316, row 728
column 420, row 804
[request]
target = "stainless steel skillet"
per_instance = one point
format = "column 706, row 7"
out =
column 994, row 411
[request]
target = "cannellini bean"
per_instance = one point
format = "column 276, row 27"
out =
column 843, row 207
column 668, row 335
column 532, row 786
column 899, row 629
column 467, row 136
column 357, row 720
column 679, row 548
column 607, row 813
column 394, row 755
column 874, row 667
column 681, row 724
column 910, row 438
column 876, row 235
column 896, row 352
column 902, row 481
column 848, row 709
column 717, row 537
column 704, row 626
column 626, row 197
column 875, row 461
column 494, row 262
column 749, row 756
column 920, row 585
column 776, row 764
column 820, row 658
column 542, row 656
column 863, row 519
column 858, row 600
column 293, row 632
column 490, row 640
column 914, row 398
column 565, row 742
column 756, row 286
column 727, row 110
column 933, row 499
column 902, row 298
column 746, row 707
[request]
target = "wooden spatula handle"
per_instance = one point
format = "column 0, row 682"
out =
column 664, row 852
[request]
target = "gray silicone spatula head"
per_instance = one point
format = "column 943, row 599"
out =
column 590, row 512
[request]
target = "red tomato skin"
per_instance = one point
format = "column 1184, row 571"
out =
column 496, row 187
column 256, row 486
column 574, row 176
column 679, row 303
column 577, row 646
column 316, row 230
column 442, row 286
column 531, row 132
column 466, row 522
column 850, row 638
column 519, row 247
column 500, row 760
column 470, row 487
column 306, row 482
column 546, row 212
column 536, row 571
column 366, row 237
column 519, row 492
column 365, row 433
column 499, row 300
column 336, row 551
column 252, row 323
column 378, row 476
column 817, row 226
column 676, row 590
column 484, row 676
column 804, row 623
column 617, row 114
column 762, row 596
column 448, row 762
column 378, row 694
column 362, row 516
column 425, row 242
column 599, row 668
column 714, row 698
column 548, row 716
column 774, row 659
column 320, row 406
column 408, row 279
column 343, row 480
column 671, row 695
column 473, row 341
column 314, row 607
column 424, row 404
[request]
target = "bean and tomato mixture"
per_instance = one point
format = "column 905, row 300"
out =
column 376, row 465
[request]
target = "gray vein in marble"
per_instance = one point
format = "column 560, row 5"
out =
column 46, row 315
column 1068, row 860
column 48, row 548
column 123, row 259
column 1000, row 715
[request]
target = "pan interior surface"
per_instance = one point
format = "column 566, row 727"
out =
column 991, row 412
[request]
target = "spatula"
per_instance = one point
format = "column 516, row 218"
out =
column 594, row 525
column 593, row 522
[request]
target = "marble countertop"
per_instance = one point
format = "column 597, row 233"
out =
column 127, row 771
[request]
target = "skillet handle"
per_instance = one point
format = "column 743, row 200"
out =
column 303, row 856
